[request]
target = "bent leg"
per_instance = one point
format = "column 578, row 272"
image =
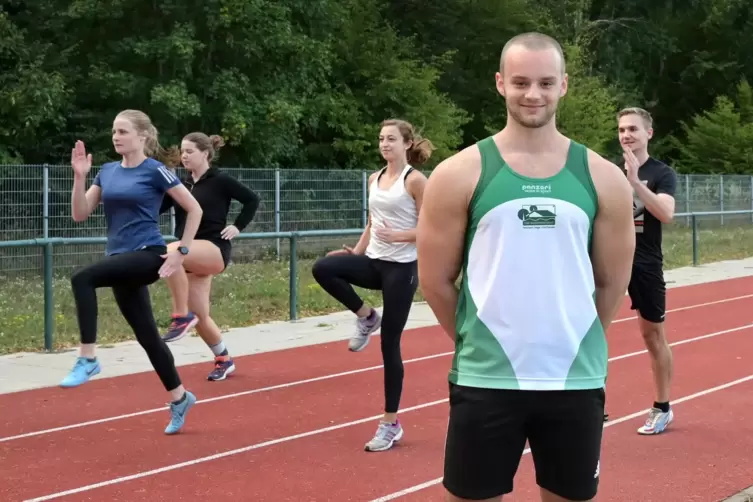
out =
column 198, row 302
column 204, row 259
column 136, row 307
column 399, row 283
column 135, row 267
column 337, row 275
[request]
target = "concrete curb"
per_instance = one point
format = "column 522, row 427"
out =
column 744, row 496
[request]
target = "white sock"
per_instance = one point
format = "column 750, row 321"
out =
column 219, row 348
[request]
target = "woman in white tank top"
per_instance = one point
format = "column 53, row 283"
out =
column 384, row 259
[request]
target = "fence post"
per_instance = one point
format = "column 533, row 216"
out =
column 364, row 198
column 721, row 198
column 293, row 286
column 45, row 201
column 687, row 198
column 695, row 240
column 277, row 208
column 49, row 301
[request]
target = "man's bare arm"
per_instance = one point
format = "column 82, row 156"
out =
column 661, row 205
column 441, row 236
column 613, row 238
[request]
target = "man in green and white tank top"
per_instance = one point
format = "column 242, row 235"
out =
column 541, row 228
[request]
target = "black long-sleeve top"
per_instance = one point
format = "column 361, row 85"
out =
column 214, row 192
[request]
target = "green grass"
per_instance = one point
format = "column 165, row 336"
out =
column 257, row 292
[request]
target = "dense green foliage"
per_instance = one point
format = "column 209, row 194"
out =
column 305, row 83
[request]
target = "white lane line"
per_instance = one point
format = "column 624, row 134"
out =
column 218, row 398
column 316, row 379
column 228, row 453
column 637, row 414
column 683, row 342
column 286, row 439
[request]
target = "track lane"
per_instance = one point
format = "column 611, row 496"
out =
column 332, row 463
column 706, row 455
column 112, row 398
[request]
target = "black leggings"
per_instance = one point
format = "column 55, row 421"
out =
column 129, row 275
column 398, row 283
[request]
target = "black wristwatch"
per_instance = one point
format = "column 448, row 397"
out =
column 183, row 250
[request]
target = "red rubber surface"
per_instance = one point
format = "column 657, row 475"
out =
column 706, row 454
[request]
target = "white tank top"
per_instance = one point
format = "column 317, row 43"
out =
column 394, row 208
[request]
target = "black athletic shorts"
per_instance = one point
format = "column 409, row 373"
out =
column 648, row 292
column 487, row 434
column 225, row 249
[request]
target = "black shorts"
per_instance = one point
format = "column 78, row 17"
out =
column 225, row 249
column 648, row 292
column 487, row 434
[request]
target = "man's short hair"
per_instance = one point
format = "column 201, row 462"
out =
column 648, row 120
column 534, row 41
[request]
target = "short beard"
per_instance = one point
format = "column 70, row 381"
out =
column 532, row 123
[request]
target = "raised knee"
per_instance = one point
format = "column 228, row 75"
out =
column 80, row 277
column 321, row 268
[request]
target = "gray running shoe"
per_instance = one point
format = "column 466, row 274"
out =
column 386, row 436
column 364, row 328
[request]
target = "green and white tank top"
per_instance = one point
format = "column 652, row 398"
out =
column 526, row 316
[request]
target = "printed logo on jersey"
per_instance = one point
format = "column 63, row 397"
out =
column 537, row 188
column 538, row 216
column 639, row 210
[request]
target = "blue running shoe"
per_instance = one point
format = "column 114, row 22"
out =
column 82, row 371
column 180, row 327
column 223, row 366
column 178, row 413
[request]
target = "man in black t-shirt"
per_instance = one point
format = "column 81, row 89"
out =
column 654, row 185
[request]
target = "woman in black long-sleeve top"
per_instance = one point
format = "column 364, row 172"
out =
column 211, row 248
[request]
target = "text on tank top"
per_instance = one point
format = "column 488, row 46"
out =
column 393, row 208
column 526, row 315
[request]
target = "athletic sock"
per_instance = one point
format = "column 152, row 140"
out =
column 219, row 349
column 664, row 407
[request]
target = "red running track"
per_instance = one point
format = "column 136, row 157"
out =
column 268, row 434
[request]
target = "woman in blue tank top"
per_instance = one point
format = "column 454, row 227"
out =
column 131, row 191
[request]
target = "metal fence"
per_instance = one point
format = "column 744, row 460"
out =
column 36, row 204
column 47, row 245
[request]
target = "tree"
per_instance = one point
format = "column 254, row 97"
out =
column 588, row 111
column 719, row 140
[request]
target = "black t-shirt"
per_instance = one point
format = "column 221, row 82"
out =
column 659, row 178
column 214, row 192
